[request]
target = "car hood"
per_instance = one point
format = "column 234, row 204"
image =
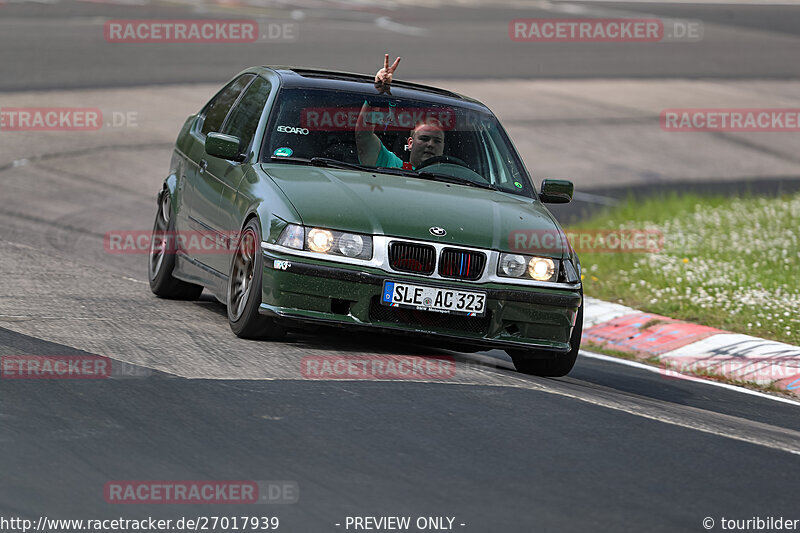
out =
column 399, row 206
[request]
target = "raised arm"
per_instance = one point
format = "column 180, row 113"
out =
column 367, row 143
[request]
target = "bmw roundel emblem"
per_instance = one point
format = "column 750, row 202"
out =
column 437, row 231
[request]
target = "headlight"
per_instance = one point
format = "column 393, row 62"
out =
column 292, row 237
column 512, row 265
column 527, row 267
column 326, row 241
column 541, row 268
column 350, row 245
column 320, row 240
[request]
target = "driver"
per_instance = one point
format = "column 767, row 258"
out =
column 425, row 141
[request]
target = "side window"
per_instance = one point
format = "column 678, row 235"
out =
column 217, row 109
column 243, row 120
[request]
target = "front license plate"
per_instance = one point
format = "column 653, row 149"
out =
column 438, row 299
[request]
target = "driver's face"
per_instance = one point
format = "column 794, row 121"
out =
column 425, row 142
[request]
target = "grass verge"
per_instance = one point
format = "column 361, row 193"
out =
column 729, row 263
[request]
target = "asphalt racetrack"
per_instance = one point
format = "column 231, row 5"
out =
column 611, row 447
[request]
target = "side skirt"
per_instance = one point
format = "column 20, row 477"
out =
column 193, row 271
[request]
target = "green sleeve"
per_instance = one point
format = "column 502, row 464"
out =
column 387, row 159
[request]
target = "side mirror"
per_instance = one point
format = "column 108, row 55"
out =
column 556, row 191
column 224, row 147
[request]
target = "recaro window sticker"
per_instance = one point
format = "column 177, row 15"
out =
column 292, row 129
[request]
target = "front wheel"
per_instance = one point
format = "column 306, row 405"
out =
column 244, row 289
column 532, row 362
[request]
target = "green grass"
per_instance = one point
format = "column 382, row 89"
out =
column 730, row 263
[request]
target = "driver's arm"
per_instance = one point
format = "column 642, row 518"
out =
column 367, row 143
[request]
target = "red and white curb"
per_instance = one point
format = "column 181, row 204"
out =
column 684, row 348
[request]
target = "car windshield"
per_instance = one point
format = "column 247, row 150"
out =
column 318, row 126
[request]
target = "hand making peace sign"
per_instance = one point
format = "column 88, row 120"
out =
column 384, row 75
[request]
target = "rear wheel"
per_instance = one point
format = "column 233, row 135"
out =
column 161, row 259
column 244, row 289
column 538, row 363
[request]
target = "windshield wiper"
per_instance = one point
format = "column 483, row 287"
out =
column 335, row 163
column 395, row 171
column 291, row 159
column 456, row 180
column 446, row 178
column 323, row 162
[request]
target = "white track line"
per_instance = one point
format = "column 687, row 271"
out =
column 675, row 375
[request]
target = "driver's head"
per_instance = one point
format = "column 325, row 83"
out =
column 426, row 141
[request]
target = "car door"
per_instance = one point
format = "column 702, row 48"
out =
column 240, row 123
column 203, row 190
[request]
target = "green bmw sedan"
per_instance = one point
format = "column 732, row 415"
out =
column 299, row 196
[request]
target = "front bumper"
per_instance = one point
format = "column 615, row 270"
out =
column 306, row 290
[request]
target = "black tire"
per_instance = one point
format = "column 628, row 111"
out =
column 244, row 288
column 539, row 363
column 161, row 258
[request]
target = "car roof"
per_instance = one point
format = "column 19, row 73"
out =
column 301, row 77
